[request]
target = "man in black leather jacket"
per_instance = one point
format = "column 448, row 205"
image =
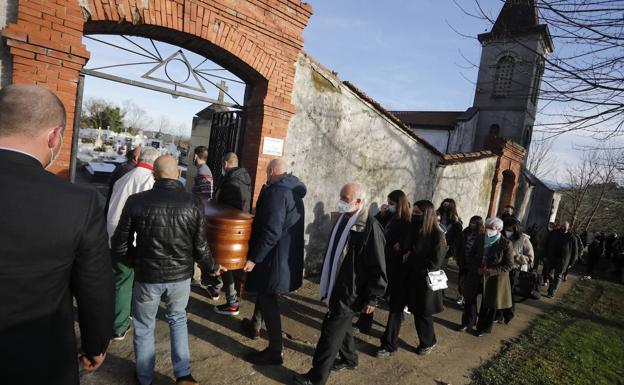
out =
column 170, row 237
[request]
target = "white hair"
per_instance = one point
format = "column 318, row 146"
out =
column 494, row 223
column 149, row 155
column 358, row 191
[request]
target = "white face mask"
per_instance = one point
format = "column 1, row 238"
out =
column 53, row 156
column 508, row 234
column 344, row 207
column 223, row 171
column 491, row 232
column 392, row 209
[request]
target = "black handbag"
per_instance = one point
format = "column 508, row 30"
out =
column 525, row 284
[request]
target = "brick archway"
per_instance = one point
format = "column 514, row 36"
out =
column 257, row 40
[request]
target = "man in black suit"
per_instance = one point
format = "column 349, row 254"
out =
column 53, row 246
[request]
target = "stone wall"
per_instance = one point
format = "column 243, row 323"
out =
column 338, row 135
column 467, row 180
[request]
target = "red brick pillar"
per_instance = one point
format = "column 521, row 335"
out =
column 47, row 50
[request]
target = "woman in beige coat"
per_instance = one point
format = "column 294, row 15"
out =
column 523, row 260
column 496, row 264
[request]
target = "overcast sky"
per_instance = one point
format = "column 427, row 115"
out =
column 403, row 53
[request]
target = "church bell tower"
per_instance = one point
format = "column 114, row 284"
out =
column 510, row 73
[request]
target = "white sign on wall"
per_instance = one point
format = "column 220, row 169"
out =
column 272, row 146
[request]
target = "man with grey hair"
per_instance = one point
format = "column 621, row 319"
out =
column 53, row 249
column 138, row 180
column 275, row 260
column 353, row 281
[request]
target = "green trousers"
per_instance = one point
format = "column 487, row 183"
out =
column 124, row 279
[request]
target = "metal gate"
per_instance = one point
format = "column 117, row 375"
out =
column 226, row 135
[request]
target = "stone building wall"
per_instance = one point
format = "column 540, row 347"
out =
column 467, row 178
column 339, row 135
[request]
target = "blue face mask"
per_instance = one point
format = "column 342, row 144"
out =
column 392, row 209
column 344, row 207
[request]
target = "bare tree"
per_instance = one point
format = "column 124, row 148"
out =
column 580, row 180
column 540, row 160
column 590, row 184
column 583, row 81
column 135, row 117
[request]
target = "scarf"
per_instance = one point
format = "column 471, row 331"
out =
column 330, row 265
column 489, row 241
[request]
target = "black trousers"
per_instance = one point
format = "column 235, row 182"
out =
column 424, row 329
column 591, row 264
column 469, row 315
column 267, row 305
column 486, row 319
column 336, row 338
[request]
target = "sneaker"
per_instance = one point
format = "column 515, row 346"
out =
column 186, row 380
column 460, row 300
column 227, row 309
column 120, row 337
column 383, row 353
column 265, row 357
column 479, row 333
column 249, row 329
column 341, row 365
column 462, row 328
column 424, row 350
column 406, row 310
column 213, row 292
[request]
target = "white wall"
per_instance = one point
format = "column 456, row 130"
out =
column 337, row 137
column 469, row 184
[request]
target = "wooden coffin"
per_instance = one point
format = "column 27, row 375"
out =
column 228, row 231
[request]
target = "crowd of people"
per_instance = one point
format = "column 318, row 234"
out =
column 121, row 258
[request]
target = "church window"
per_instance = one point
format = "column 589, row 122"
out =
column 503, row 76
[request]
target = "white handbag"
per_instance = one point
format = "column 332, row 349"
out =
column 437, row 280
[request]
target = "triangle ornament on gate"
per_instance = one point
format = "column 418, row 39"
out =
column 176, row 56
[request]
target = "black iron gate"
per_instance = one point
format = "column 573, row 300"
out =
column 226, row 135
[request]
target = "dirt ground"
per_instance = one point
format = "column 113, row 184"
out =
column 217, row 346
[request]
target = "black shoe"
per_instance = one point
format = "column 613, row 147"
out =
column 479, row 333
column 424, row 350
column 462, row 328
column 550, row 295
column 136, row 380
column 249, row 329
column 383, row 353
column 302, row 379
column 341, row 365
column 508, row 320
column 265, row 357
column 186, row 380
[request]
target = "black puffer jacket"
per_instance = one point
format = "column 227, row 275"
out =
column 235, row 189
column 170, row 234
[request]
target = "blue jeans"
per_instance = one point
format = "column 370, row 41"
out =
column 145, row 301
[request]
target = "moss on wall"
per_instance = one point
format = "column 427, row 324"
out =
column 322, row 84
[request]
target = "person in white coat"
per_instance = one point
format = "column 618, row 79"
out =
column 138, row 180
column 523, row 259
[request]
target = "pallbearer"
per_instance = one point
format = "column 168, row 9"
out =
column 275, row 260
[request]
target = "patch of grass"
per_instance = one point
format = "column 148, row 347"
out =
column 578, row 342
